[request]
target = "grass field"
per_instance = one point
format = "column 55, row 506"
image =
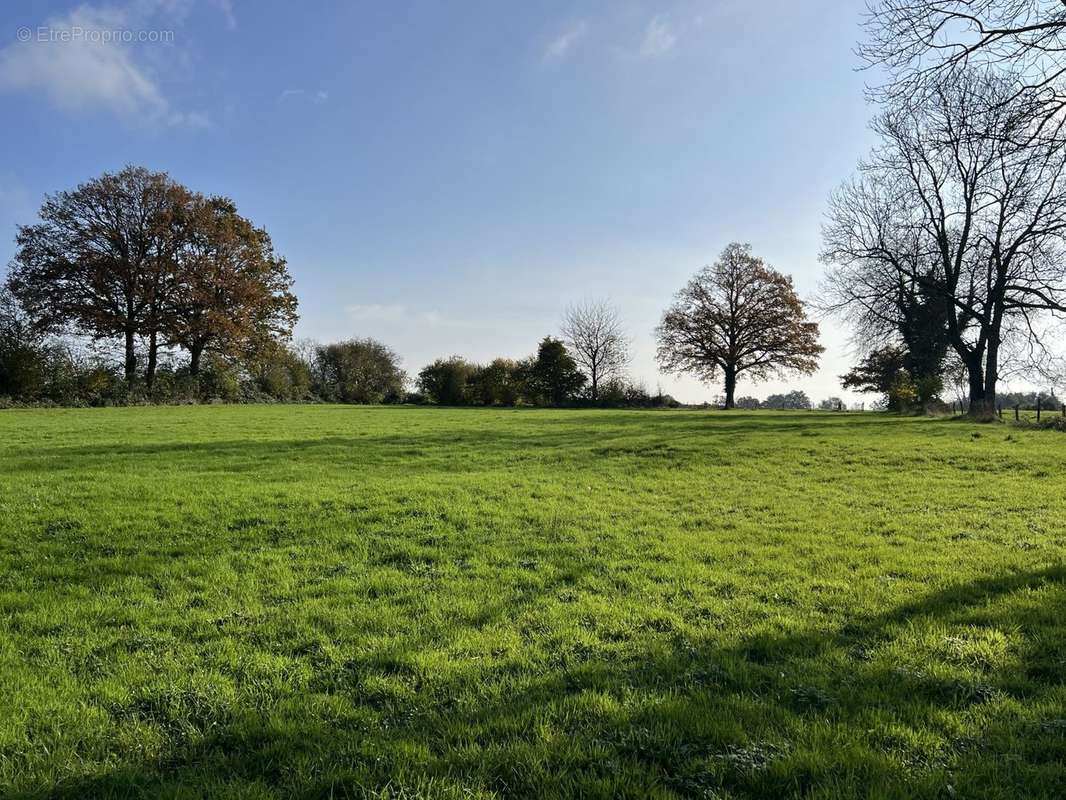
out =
column 326, row 601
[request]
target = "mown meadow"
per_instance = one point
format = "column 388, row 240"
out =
column 332, row 601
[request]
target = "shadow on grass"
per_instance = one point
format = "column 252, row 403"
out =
column 573, row 433
column 853, row 712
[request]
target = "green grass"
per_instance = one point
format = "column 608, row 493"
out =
column 327, row 601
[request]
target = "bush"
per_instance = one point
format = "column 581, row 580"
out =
column 446, row 380
column 793, row 401
column 551, row 377
column 358, row 371
column 496, row 384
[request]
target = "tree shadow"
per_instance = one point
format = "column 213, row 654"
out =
column 958, row 693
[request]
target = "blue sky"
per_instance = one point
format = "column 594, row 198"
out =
column 447, row 176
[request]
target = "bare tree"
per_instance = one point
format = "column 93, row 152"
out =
column 739, row 317
column 926, row 43
column 961, row 207
column 594, row 335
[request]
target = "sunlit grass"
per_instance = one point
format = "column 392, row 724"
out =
column 306, row 601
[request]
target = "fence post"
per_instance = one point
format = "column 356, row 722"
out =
column 1016, row 406
column 1000, row 410
column 1038, row 408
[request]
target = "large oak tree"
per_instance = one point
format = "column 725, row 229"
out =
column 136, row 256
column 96, row 262
column 738, row 317
column 234, row 294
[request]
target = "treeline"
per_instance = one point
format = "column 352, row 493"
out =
column 549, row 377
column 36, row 369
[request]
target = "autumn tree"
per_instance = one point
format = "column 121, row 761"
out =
column 136, row 256
column 737, row 317
column 95, row 263
column 233, row 291
column 596, row 340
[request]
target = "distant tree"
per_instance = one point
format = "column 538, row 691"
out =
column 831, row 404
column 595, row 338
column 793, row 401
column 738, row 317
column 748, row 403
column 877, row 371
column 280, row 372
column 22, row 368
column 234, row 293
column 553, row 377
column 94, row 263
column 358, row 371
column 446, row 380
column 495, row 384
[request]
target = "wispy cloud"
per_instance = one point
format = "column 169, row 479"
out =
column 567, row 39
column 659, row 38
column 317, row 97
column 226, row 7
column 96, row 57
column 392, row 314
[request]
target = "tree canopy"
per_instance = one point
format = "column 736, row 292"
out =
column 738, row 317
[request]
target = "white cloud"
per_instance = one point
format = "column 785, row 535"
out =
column 317, row 97
column 78, row 62
column 659, row 38
column 562, row 44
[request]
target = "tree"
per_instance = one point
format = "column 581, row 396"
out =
column 594, row 336
column 793, row 401
column 445, row 381
column 93, row 264
column 233, row 293
column 495, row 384
column 21, row 356
column 737, row 317
column 553, row 378
column 961, row 207
column 358, row 371
column 923, row 44
column 831, row 404
column 747, row 403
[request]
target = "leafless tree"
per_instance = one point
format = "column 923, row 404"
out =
column 594, row 334
column 925, row 43
column 737, row 316
column 960, row 205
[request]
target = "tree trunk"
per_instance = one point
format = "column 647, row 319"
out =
column 730, row 387
column 153, row 358
column 979, row 405
column 595, row 386
column 131, row 358
column 991, row 376
column 195, row 351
